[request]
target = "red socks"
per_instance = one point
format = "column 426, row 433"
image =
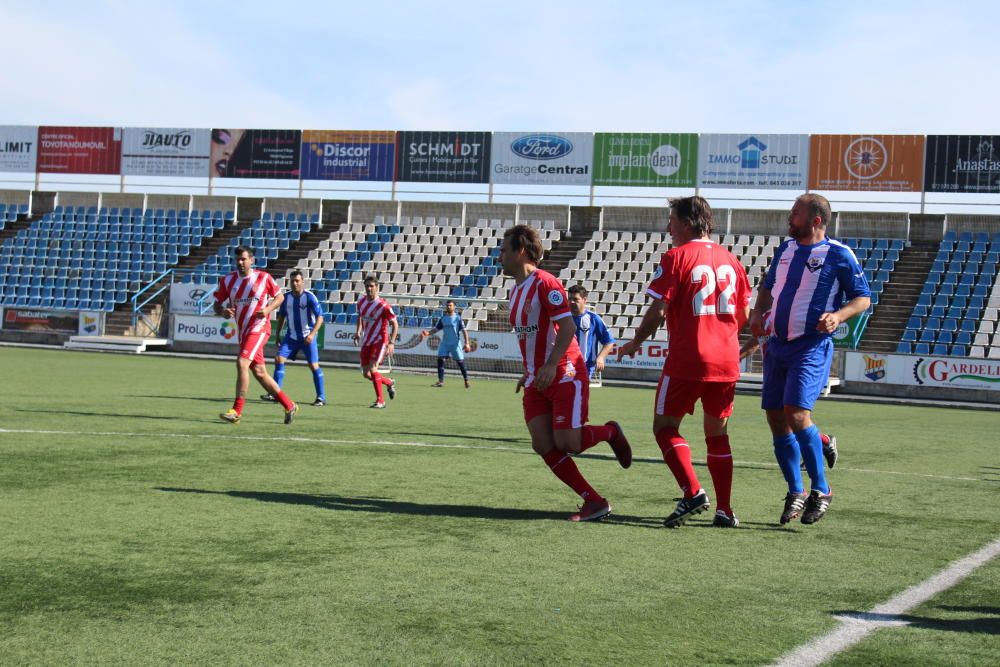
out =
column 564, row 467
column 238, row 405
column 591, row 435
column 720, row 465
column 286, row 402
column 677, row 456
column 378, row 380
column 824, row 439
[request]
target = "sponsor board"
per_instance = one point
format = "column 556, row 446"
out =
column 923, row 371
column 18, row 148
column 194, row 328
column 848, row 334
column 91, row 323
column 657, row 160
column 771, row 161
column 45, row 321
column 443, row 157
column 348, row 156
column 255, row 153
column 969, row 163
column 79, row 150
column 652, row 354
column 191, row 298
column 540, row 158
column 485, row 345
column 165, row 151
column 874, row 162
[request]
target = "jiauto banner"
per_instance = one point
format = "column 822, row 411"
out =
column 79, row 150
column 165, row 151
column 541, row 158
column 771, row 161
column 18, row 148
column 875, row 162
column 255, row 153
column 443, row 157
column 654, row 160
column 922, row 371
column 348, row 156
column 969, row 163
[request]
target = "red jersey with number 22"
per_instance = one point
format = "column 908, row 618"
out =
column 535, row 306
column 706, row 291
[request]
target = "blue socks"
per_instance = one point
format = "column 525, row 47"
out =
column 440, row 369
column 318, row 383
column 465, row 373
column 786, row 451
column 279, row 374
column 812, row 455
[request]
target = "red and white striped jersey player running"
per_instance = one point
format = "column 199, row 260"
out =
column 246, row 295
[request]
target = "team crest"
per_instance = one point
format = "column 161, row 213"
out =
column 658, row 271
column 874, row 368
column 556, row 298
column 814, row 264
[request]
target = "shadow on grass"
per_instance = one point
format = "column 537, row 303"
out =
column 985, row 625
column 117, row 415
column 460, row 436
column 207, row 399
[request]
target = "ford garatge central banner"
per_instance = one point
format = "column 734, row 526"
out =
column 747, row 161
column 336, row 155
column 443, row 157
column 165, row 151
column 542, row 158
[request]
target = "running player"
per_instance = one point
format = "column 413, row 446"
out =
column 450, row 325
column 250, row 296
column 377, row 328
column 556, row 390
column 591, row 331
column 302, row 311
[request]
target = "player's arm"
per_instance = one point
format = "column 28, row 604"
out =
column 220, row 307
column 652, row 320
column 748, row 347
column 274, row 304
column 222, row 310
column 853, row 278
column 393, row 331
column 436, row 327
column 607, row 340
column 828, row 322
column 358, row 329
column 315, row 330
column 564, row 337
column 278, row 323
column 763, row 304
column 465, row 336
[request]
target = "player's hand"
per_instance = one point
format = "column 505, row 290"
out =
column 424, row 334
column 356, row 338
column 746, row 351
column 520, row 383
column 544, row 376
column 259, row 315
column 599, row 365
column 757, row 325
column 228, row 313
column 628, row 349
column 828, row 322
column 308, row 339
column 467, row 349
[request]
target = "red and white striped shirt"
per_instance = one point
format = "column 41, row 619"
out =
column 535, row 307
column 375, row 317
column 248, row 295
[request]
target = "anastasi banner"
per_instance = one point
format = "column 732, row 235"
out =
column 255, row 153
column 79, row 150
column 656, row 160
column 443, row 157
column 18, row 148
column 884, row 162
column 542, row 158
column 969, row 163
column 747, row 161
column 915, row 370
column 165, row 151
column 333, row 155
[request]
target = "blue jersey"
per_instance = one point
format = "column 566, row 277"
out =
column 592, row 334
column 301, row 313
column 809, row 280
column 450, row 327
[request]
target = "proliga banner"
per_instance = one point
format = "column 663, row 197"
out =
column 882, row 162
column 767, row 161
column 655, row 160
column 79, row 150
column 335, row 155
column 165, row 151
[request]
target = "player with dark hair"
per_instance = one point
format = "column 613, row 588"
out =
column 556, row 388
column 806, row 286
column 250, row 296
column 376, row 332
column 451, row 327
column 591, row 331
column 703, row 293
column 302, row 311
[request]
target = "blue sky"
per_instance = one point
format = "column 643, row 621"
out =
column 896, row 67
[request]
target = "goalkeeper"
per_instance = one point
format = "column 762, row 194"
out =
column 451, row 327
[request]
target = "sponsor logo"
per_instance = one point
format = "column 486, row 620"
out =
column 208, row 331
column 556, row 298
column 874, row 367
column 89, row 324
column 343, row 334
column 955, row 371
column 542, row 147
column 228, row 330
column 523, row 331
column 843, row 331
column 983, row 161
column 440, row 149
column 665, row 160
column 752, row 155
column 16, row 146
column 160, row 141
column 866, row 158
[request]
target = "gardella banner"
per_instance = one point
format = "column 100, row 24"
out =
column 18, row 148
column 966, row 163
column 915, row 370
column 771, row 161
column 540, row 158
column 334, row 155
column 443, row 157
column 165, row 151
column 655, row 160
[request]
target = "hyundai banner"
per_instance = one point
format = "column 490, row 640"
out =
column 330, row 155
column 165, row 151
column 875, row 162
column 192, row 298
column 255, row 153
column 768, row 161
column 542, row 158
column 79, row 150
column 443, row 157
column 923, row 371
column 18, row 148
column 969, row 163
column 654, row 160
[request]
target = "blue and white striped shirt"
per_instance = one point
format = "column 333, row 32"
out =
column 301, row 313
column 591, row 334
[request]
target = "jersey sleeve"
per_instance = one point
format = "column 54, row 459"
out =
column 222, row 291
column 552, row 296
column 460, row 327
column 772, row 270
column 440, row 324
column 662, row 286
column 313, row 305
column 387, row 312
column 851, row 276
column 283, row 308
column 601, row 330
column 270, row 286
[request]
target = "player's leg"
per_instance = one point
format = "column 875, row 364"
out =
column 675, row 398
column 717, row 404
column 370, row 356
column 284, row 350
column 234, row 413
column 440, row 369
column 459, row 358
column 571, row 404
column 259, row 369
column 311, row 352
column 786, row 447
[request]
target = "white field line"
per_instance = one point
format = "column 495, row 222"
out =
column 855, row 627
column 396, row 443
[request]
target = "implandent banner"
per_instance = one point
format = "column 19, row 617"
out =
column 165, row 151
column 652, row 160
column 334, row 155
column 882, row 162
column 962, row 163
column 443, row 157
column 18, row 148
column 79, row 150
column 255, row 153
column 748, row 161
column 925, row 371
column 542, row 158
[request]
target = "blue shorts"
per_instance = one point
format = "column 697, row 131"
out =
column 290, row 347
column 453, row 352
column 795, row 372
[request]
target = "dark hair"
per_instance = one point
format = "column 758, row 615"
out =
column 371, row 278
column 523, row 237
column 578, row 289
column 294, row 273
column 240, row 249
column 819, row 206
column 695, row 211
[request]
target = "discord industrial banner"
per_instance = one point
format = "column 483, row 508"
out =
column 335, row 155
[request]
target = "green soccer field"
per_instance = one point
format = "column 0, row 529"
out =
column 137, row 528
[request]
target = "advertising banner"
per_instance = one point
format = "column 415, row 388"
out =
column 848, row 334
column 18, row 148
column 961, row 372
column 189, row 298
column 771, row 161
column 91, row 323
column 883, row 162
column 255, row 153
column 165, row 151
column 44, row 321
column 969, row 163
column 443, row 157
column 656, row 160
column 329, row 155
column 541, row 158
column 207, row 329
column 79, row 150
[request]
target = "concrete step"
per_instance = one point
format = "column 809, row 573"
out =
column 119, row 344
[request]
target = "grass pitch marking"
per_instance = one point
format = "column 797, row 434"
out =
column 855, row 627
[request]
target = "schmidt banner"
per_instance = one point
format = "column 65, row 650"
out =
column 767, row 161
column 165, row 151
column 329, row 155
column 656, row 160
column 255, row 153
column 18, row 148
column 443, row 157
column 79, row 150
column 883, row 162
column 542, row 158
column 969, row 163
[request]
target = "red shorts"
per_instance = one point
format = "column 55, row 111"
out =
column 372, row 354
column 567, row 403
column 676, row 397
column 252, row 347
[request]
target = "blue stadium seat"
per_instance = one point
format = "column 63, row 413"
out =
column 940, row 350
column 959, row 351
column 909, row 335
